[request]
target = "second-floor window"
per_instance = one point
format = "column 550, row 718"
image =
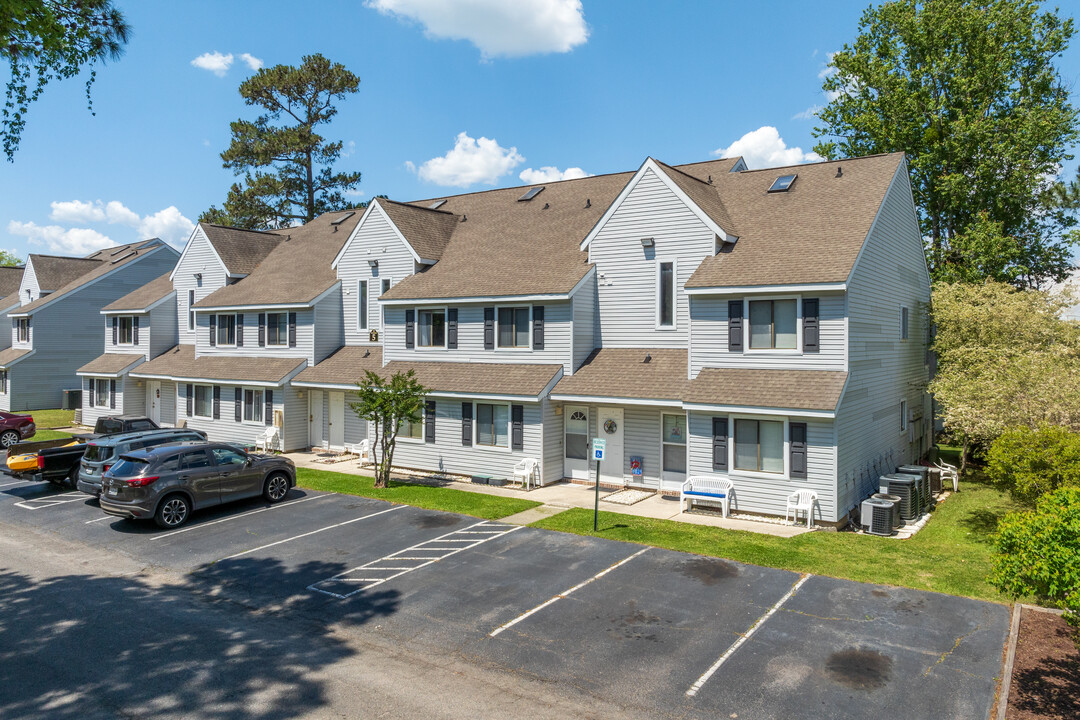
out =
column 24, row 329
column 125, row 335
column 226, row 330
column 432, row 328
column 191, row 310
column 513, row 329
column 361, row 305
column 665, row 295
column 773, row 324
column 277, row 329
column 903, row 323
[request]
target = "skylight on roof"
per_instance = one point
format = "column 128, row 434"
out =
column 782, row 183
column 436, row 205
column 343, row 218
column 531, row 193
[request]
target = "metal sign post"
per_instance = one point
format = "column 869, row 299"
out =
column 598, row 447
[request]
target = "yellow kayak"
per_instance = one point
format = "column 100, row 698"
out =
column 28, row 461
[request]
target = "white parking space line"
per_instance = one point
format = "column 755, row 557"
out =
column 97, row 520
column 51, row 501
column 564, row 594
column 314, row 532
column 13, row 482
column 241, row 515
column 746, row 636
column 368, row 575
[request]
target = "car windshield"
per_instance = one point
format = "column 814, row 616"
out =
column 128, row 466
column 97, row 453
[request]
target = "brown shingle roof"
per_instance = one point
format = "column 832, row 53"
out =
column 181, row 363
column 527, row 381
column 624, row 372
column 704, row 195
column 110, row 364
column 144, row 297
column 241, row 250
column 344, row 367
column 793, row 389
column 10, row 356
column 428, row 231
column 298, row 270
column 811, row 233
column 54, row 271
column 10, row 279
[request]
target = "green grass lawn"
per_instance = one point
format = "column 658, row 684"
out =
column 489, row 507
column 951, row 554
column 45, row 419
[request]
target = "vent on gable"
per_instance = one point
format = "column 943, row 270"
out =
column 782, row 183
column 436, row 205
column 343, row 218
column 531, row 193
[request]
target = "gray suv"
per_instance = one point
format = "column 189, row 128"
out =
column 167, row 483
column 102, row 452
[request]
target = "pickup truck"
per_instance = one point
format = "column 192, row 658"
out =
column 57, row 461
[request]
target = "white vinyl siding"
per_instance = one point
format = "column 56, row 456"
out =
column 130, row 399
column 305, row 338
column 199, row 258
column 329, row 330
column 586, row 323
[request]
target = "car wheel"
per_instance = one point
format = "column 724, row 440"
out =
column 172, row 512
column 8, row 438
column 73, row 478
column 276, row 488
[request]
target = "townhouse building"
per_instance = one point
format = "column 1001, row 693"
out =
column 55, row 326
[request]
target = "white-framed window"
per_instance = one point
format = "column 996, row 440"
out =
column 431, row 328
column 101, row 392
column 3, row 382
column 413, row 431
column 903, row 415
column 384, row 287
column 361, row 305
column 665, row 294
column 23, row 326
column 253, row 405
column 277, row 329
column 904, row 323
column 673, row 439
column 125, row 334
column 759, row 446
column 203, row 405
column 512, row 326
column 191, row 310
column 774, row 323
column 491, row 425
column 226, row 330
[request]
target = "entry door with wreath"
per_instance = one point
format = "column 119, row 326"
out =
column 609, row 425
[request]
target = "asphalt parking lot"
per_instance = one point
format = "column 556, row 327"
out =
column 683, row 635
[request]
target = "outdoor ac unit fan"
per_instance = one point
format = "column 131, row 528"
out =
column 876, row 516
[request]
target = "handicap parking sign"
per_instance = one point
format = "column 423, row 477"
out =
column 598, row 446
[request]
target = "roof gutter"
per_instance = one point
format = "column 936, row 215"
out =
column 741, row 289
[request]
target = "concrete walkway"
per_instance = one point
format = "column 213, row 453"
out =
column 562, row 496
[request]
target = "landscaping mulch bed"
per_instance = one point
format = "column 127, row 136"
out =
column 1046, row 671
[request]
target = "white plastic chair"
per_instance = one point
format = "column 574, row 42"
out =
column 525, row 471
column 949, row 472
column 801, row 501
column 268, row 439
column 363, row 449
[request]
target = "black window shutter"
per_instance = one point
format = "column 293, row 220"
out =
column 90, row 392
column 115, row 322
column 810, row 334
column 135, row 329
column 217, row 402
column 719, row 444
column 238, row 411
column 268, row 414
column 466, row 424
column 262, row 330
column 734, row 326
column 190, row 399
column 797, row 449
column 429, row 421
column 292, row 329
column 517, row 427
column 538, row 327
column 239, row 330
column 112, row 394
column 410, row 329
column 213, row 330
column 451, row 329
column 489, row 328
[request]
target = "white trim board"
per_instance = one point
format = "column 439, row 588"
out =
column 187, row 246
column 267, row 306
column 141, row 311
column 612, row 400
column 372, row 206
column 743, row 289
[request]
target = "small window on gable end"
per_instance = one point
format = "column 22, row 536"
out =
column 782, row 183
column 903, row 323
column 903, row 416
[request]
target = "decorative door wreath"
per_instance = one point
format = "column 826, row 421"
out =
column 610, row 427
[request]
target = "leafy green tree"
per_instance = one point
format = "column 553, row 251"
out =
column 968, row 89
column 9, row 259
column 387, row 405
column 286, row 164
column 1032, row 462
column 46, row 39
column 1038, row 552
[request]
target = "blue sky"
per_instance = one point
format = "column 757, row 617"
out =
column 454, row 96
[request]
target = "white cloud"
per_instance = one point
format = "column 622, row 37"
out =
column 496, row 27
column 550, row 173
column 76, row 211
column 252, row 62
column 62, row 241
column 764, row 148
column 353, row 192
column 116, row 212
column 215, row 62
column 169, row 224
column 827, row 69
column 809, row 113
column 470, row 161
column 348, row 149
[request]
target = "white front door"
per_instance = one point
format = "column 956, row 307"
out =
column 576, row 442
column 337, row 421
column 609, row 425
column 315, row 417
column 153, row 400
